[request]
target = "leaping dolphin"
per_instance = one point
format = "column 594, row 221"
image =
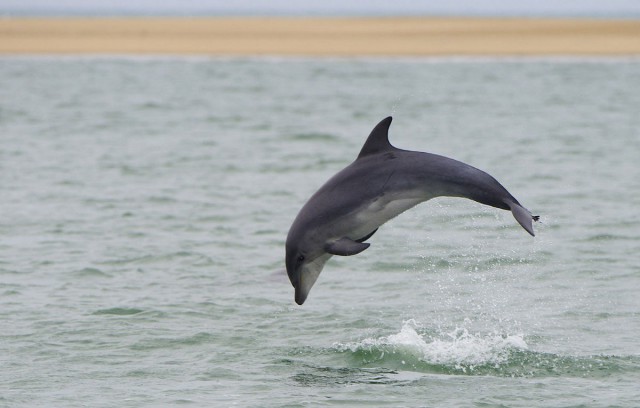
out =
column 381, row 183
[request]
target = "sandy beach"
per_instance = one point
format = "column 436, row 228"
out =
column 320, row 36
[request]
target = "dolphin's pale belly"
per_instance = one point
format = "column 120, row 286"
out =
column 380, row 211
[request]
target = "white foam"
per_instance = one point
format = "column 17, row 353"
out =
column 458, row 348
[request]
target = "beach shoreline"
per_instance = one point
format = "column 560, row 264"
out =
column 312, row 37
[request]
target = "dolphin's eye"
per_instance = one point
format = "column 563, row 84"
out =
column 300, row 258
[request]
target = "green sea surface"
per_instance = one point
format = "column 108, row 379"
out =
column 144, row 205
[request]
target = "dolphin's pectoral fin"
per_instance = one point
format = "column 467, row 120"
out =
column 366, row 237
column 524, row 217
column 345, row 247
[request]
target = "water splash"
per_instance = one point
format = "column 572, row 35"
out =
column 458, row 350
column 461, row 352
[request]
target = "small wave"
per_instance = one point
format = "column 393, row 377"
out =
column 119, row 311
column 91, row 273
column 314, row 136
column 608, row 237
column 318, row 376
column 460, row 352
column 189, row 257
column 196, row 339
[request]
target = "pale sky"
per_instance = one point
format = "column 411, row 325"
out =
column 605, row 8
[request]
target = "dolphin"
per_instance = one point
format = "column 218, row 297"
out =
column 381, row 183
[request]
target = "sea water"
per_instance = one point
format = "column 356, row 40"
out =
column 144, row 205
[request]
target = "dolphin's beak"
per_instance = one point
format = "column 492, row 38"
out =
column 306, row 276
column 302, row 291
column 301, row 295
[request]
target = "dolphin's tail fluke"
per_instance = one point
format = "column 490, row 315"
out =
column 523, row 216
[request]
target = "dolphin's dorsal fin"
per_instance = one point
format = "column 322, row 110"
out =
column 378, row 140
